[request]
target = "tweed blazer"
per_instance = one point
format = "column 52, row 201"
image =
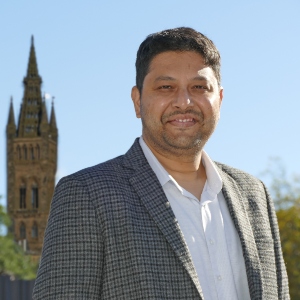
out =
column 112, row 234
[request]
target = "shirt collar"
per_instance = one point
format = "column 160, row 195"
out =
column 214, row 181
column 160, row 172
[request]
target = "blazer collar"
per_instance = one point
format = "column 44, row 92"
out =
column 158, row 206
column 235, row 201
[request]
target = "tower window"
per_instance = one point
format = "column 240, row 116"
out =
column 29, row 128
column 37, row 149
column 35, row 197
column 22, row 231
column 31, row 152
column 34, row 230
column 22, row 197
column 19, row 155
column 25, row 152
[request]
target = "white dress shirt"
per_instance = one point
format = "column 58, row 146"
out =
column 209, row 232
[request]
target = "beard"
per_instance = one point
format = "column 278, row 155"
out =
column 181, row 141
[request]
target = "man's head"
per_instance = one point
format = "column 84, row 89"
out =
column 178, row 39
column 178, row 93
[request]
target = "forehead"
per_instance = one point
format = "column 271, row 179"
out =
column 179, row 63
column 169, row 56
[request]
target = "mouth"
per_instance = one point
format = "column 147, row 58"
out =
column 182, row 121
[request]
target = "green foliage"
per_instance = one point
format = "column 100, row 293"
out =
column 286, row 196
column 289, row 226
column 13, row 260
column 4, row 218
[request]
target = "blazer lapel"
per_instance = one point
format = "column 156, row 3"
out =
column 155, row 201
column 235, row 201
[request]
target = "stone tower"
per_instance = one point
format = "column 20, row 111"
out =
column 31, row 163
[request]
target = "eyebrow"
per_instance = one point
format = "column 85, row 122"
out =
column 159, row 78
column 201, row 78
column 169, row 78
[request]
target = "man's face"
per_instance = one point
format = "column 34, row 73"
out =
column 179, row 104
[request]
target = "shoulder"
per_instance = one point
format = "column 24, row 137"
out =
column 244, row 180
column 246, row 187
column 109, row 171
column 236, row 174
column 90, row 188
column 97, row 182
column 105, row 171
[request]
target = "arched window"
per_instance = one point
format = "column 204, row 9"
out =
column 34, row 230
column 25, row 152
column 34, row 196
column 23, row 196
column 31, row 152
column 22, row 231
column 37, row 151
column 19, row 153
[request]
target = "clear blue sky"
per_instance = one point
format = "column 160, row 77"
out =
column 86, row 54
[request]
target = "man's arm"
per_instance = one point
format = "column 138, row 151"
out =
column 72, row 258
column 282, row 279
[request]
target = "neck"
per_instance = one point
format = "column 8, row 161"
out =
column 187, row 166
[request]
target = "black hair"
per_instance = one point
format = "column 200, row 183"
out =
column 177, row 39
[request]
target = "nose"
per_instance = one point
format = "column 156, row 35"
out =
column 182, row 100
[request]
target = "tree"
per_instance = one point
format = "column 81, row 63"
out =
column 289, row 226
column 13, row 260
column 286, row 196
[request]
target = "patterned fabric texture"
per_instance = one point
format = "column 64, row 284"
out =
column 112, row 234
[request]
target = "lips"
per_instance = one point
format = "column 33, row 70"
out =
column 185, row 120
column 181, row 121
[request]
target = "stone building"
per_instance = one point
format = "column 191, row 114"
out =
column 31, row 162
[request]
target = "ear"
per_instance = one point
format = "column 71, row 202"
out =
column 220, row 100
column 221, row 95
column 136, row 99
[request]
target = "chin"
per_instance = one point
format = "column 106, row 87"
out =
column 184, row 143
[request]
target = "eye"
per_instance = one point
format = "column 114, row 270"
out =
column 165, row 87
column 200, row 87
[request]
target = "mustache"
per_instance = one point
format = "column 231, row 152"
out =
column 199, row 115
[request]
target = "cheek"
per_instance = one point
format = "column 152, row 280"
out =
column 210, row 105
column 153, row 107
column 215, row 112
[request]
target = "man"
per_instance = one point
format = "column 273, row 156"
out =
column 163, row 221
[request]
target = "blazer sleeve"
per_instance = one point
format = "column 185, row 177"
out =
column 282, row 279
column 72, row 257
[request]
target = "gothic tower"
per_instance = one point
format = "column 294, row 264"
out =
column 31, row 162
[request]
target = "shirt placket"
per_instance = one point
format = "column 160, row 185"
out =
column 215, row 240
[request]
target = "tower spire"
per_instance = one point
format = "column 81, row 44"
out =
column 31, row 108
column 11, row 115
column 32, row 69
column 11, row 125
column 53, row 126
column 52, row 117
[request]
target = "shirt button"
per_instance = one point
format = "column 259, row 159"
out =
column 211, row 241
column 219, row 277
